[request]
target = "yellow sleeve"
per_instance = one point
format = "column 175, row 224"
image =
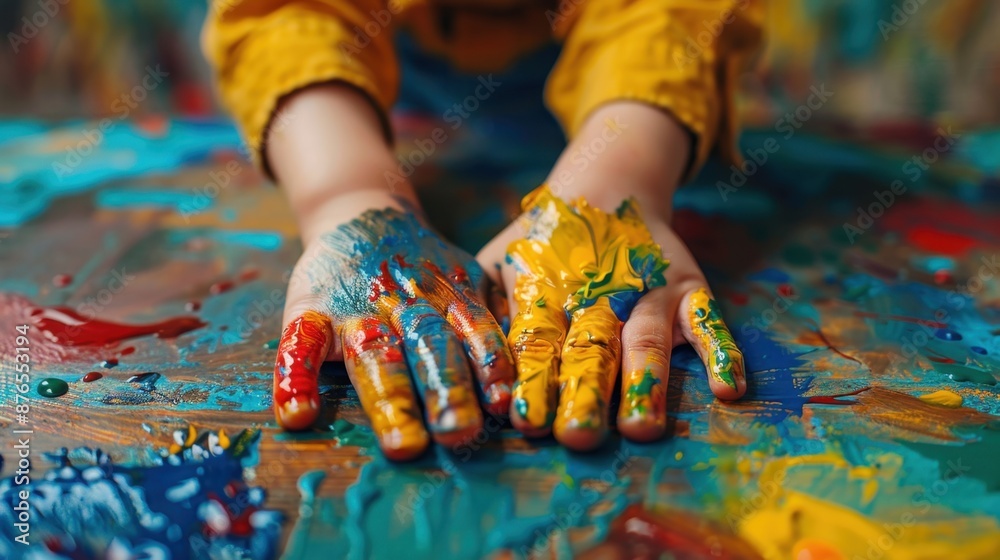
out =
column 262, row 50
column 681, row 55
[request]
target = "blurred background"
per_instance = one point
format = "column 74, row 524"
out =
column 894, row 62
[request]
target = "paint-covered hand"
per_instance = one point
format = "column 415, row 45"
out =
column 591, row 293
column 403, row 309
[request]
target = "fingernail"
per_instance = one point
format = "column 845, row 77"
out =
column 725, row 361
column 301, row 351
column 643, row 397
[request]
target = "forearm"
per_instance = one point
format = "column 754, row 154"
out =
column 624, row 149
column 329, row 153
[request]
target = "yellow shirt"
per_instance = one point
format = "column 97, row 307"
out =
column 680, row 55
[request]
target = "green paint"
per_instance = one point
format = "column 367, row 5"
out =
column 52, row 387
column 243, row 442
column 799, row 255
column 353, row 435
column 540, row 302
column 723, row 347
column 962, row 372
column 974, row 459
column 271, row 344
column 642, row 389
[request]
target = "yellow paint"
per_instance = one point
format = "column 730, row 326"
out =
column 590, row 359
column 787, row 523
column 715, row 343
column 223, row 439
column 574, row 258
column 943, row 398
column 192, row 436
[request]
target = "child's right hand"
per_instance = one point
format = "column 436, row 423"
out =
column 404, row 309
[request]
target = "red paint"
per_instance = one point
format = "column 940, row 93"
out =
column 62, row 280
column 110, row 363
column 933, row 240
column 127, row 350
column 942, row 277
column 384, row 283
column 221, row 287
column 785, row 290
column 65, row 326
column 459, row 275
column 192, row 306
column 92, row 376
column 371, row 331
column 739, row 298
column 224, row 286
column 940, row 359
column 833, row 399
column 925, row 322
column 822, row 336
column 301, row 351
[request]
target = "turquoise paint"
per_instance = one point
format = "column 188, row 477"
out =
column 179, row 199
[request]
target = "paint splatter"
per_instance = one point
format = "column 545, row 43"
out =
column 52, row 387
column 943, row 398
column 68, row 327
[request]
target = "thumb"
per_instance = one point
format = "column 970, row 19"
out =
column 700, row 321
column 307, row 340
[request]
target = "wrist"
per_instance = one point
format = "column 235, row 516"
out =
column 624, row 149
column 344, row 205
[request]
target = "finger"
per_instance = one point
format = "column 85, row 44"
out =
column 536, row 338
column 374, row 359
column 484, row 343
column 590, row 359
column 700, row 321
column 646, row 343
column 304, row 345
column 436, row 358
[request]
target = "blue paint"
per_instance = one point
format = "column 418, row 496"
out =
column 177, row 510
column 130, row 198
column 946, row 334
column 934, row 263
column 773, row 275
column 42, row 175
column 263, row 240
column 978, row 350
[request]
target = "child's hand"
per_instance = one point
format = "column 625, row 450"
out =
column 586, row 287
column 403, row 309
column 375, row 287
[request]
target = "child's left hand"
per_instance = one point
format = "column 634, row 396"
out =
column 590, row 293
